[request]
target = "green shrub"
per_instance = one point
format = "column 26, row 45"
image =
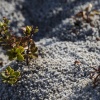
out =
column 17, row 48
column 10, row 76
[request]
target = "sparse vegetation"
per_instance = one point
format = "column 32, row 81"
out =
column 17, row 48
column 86, row 15
column 10, row 76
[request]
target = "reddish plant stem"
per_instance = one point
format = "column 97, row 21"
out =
column 27, row 52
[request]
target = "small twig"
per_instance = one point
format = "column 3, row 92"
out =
column 27, row 60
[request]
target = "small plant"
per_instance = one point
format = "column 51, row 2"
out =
column 86, row 15
column 16, row 53
column 18, row 48
column 10, row 76
column 95, row 75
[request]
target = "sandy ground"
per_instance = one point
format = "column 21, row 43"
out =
column 54, row 76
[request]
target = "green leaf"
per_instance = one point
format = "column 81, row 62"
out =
column 8, row 68
column 12, row 54
column 28, row 30
column 11, row 71
column 12, row 81
column 12, row 76
column 4, row 81
column 1, row 24
column 19, row 49
column 4, row 76
column 17, row 74
column 20, row 57
column 36, row 30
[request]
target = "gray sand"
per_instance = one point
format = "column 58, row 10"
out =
column 54, row 76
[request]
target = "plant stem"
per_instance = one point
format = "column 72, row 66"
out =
column 30, row 37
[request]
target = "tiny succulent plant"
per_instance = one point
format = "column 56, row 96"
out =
column 86, row 15
column 16, row 53
column 10, row 76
